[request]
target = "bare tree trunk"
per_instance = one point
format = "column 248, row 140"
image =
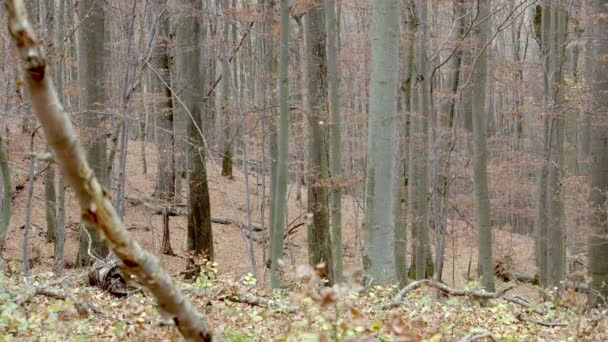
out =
column 91, row 72
column 188, row 31
column 6, row 192
column 319, row 234
column 480, row 172
column 28, row 209
column 379, row 260
column 598, row 253
column 97, row 209
column 333, row 32
column 276, row 250
column 165, row 175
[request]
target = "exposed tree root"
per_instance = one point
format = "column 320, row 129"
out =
column 443, row 288
column 542, row 323
column 244, row 298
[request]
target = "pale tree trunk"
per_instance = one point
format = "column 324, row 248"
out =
column 59, row 182
column 276, row 251
column 480, row 172
column 336, row 139
column 319, row 235
column 165, row 175
column 556, row 247
column 91, row 72
column 405, row 165
column 270, row 68
column 96, row 207
column 378, row 259
column 188, row 33
column 49, row 180
column 128, row 81
column 543, row 202
column 423, row 251
column 28, row 209
column 6, row 193
column 598, row 79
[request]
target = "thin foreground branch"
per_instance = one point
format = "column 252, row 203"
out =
column 96, row 208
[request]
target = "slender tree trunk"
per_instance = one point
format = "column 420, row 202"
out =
column 336, row 140
column 276, row 251
column 405, row 165
column 6, row 192
column 226, row 139
column 28, row 209
column 59, row 182
column 165, row 175
column 480, row 173
column 319, row 235
column 556, row 247
column 423, row 251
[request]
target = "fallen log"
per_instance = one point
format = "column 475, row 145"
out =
column 180, row 210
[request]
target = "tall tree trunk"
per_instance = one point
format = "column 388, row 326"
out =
column 6, row 193
column 276, row 251
column 319, row 235
column 406, row 146
column 556, row 246
column 165, row 175
column 543, row 201
column 598, row 253
column 91, row 73
column 336, row 139
column 480, row 172
column 188, row 33
column 423, row 251
column 227, row 108
column 378, row 259
column 59, row 182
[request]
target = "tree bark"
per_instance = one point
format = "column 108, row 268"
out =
column 378, row 258
column 276, row 251
column 91, row 73
column 480, row 172
column 598, row 253
column 165, row 175
column 188, row 33
column 336, row 138
column 319, row 234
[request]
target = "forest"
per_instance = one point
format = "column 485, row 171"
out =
column 304, row 170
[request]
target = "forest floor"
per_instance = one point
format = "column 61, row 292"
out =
column 344, row 313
